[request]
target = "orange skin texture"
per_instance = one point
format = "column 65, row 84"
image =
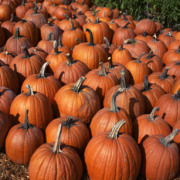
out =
column 177, row 137
column 105, row 19
column 175, row 87
column 124, row 22
column 52, row 9
column 158, row 161
column 100, row 83
column 155, row 63
column 6, row 98
column 137, row 49
column 151, row 95
column 122, row 57
column 137, row 71
column 105, row 119
column 122, row 34
column 110, row 49
column 166, row 84
column 169, row 109
column 59, row 13
column 113, row 26
column 68, row 74
column 115, row 156
column 5, row 12
column 5, row 125
column 21, row 11
column 40, row 110
column 143, row 127
column 145, row 25
column 108, row 12
column 130, row 100
column 170, row 56
column 174, row 45
column 64, row 49
column 47, row 46
column 82, row 105
column 158, row 47
column 166, row 39
column 177, row 36
column 77, row 136
column 21, row 144
column 88, row 2
column 82, row 8
column 146, row 39
column 45, row 164
column 7, row 58
column 158, row 26
column 66, row 24
column 90, row 55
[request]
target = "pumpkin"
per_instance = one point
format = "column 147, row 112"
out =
column 177, row 36
column 149, row 124
column 138, row 70
column 104, row 17
column 80, row 19
column 160, row 157
column 7, row 57
column 5, row 125
column 88, row 2
column 16, row 42
column 92, row 17
column 73, row 99
column 174, row 45
column 162, row 79
column 89, row 53
column 70, row 70
column 24, row 139
column 123, row 33
column 176, row 138
column 113, row 26
column 121, row 55
column 52, row 9
column 25, row 65
column 137, row 20
column 166, row 38
column 70, row 35
column 56, row 160
column 105, row 118
column 114, row 151
column 101, row 81
column 175, row 87
column 74, row 132
column 136, row 47
column 5, row 12
column 106, row 12
column 158, row 26
column 43, row 83
column 82, row 7
column 29, row 30
column 59, row 13
column 130, row 99
column 171, row 30
column 151, row 93
column 144, row 37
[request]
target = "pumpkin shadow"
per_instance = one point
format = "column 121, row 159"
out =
column 101, row 97
column 14, row 119
column 132, row 102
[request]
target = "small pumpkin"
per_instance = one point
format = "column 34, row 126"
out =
column 7, row 57
column 144, row 37
column 166, row 38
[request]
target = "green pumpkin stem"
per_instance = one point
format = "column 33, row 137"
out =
column 166, row 141
column 96, row 12
column 177, row 95
column 42, row 71
column 150, row 55
column 70, row 59
column 55, row 47
column 103, row 69
column 114, row 107
column 91, row 43
column 93, row 9
column 144, row 34
column 30, row 90
column 72, row 25
column 49, row 37
column 126, row 25
column 78, row 40
column 60, row 41
column 17, row 34
column 130, row 41
column 26, row 124
column 78, row 84
column 121, row 47
column 68, row 122
column 67, row 17
column 164, row 74
column 115, row 129
column 138, row 60
column 57, row 145
column 26, row 52
column 107, row 42
column 23, row 4
column 178, row 50
column 123, row 81
column 138, row 18
column 152, row 114
column 146, row 83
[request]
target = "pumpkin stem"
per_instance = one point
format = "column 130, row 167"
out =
column 111, row 7
column 23, row 4
column 55, row 47
column 78, row 40
column 144, row 34
column 107, row 43
column 103, row 13
column 93, row 9
column 117, row 15
column 115, row 129
column 124, row 17
column 17, row 34
column 49, row 37
column 126, row 12
column 111, row 22
column 68, row 122
column 42, row 71
column 166, row 141
column 75, row 9
column 26, row 124
column 97, row 20
column 60, row 41
column 155, row 37
column 6, row 52
column 121, row 47
column 91, row 43
column 152, row 114
column 67, row 17
column 178, row 50
column 89, row 20
column 146, row 83
column 130, row 41
column 138, row 18
column 138, row 60
column 126, row 25
column 70, row 59
column 11, row 20
column 40, row 7
column 123, row 81
column 35, row 8
column 83, row 2
column 150, row 54
column 103, row 4
column 169, row 34
column 80, row 13
column 164, row 74
column 177, row 95
column 57, row 145
column 114, row 107
column 174, row 27
column 103, row 69
column 23, row 20
column 50, row 23
column 30, row 90
column 26, row 53
column 110, row 63
column 78, row 84
column 72, row 25
column 96, row 12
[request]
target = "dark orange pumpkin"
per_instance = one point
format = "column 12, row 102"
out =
column 174, row 45
column 177, row 137
column 5, row 12
column 144, row 37
column 175, row 87
column 166, row 38
column 60, row 13
column 7, row 57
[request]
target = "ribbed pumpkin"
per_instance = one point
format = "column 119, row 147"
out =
column 105, row 118
column 5, row 125
column 43, row 83
column 160, row 157
column 76, row 100
column 130, row 99
column 174, row 45
column 24, row 139
column 7, row 57
column 69, row 70
column 166, row 38
column 89, row 53
column 144, row 37
column 114, row 151
column 150, row 92
column 162, row 79
column 138, row 70
column 74, row 132
column 125, row 20
column 101, row 81
column 169, row 105
column 40, row 110
column 56, row 160
column 149, row 124
column 113, row 26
